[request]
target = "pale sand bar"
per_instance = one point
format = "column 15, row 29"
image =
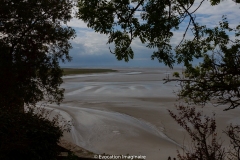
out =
column 126, row 113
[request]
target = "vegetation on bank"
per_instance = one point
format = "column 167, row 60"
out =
column 30, row 135
column 69, row 71
column 32, row 43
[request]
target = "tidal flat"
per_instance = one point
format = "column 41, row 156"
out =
column 126, row 112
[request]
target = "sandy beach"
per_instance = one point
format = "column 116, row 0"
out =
column 126, row 113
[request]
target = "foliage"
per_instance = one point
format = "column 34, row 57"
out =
column 152, row 21
column 233, row 133
column 33, row 38
column 202, row 131
column 142, row 21
column 217, row 77
column 30, row 135
column 71, row 156
column 176, row 74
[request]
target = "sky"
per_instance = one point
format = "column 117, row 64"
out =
column 90, row 49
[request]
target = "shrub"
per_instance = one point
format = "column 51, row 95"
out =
column 202, row 131
column 29, row 135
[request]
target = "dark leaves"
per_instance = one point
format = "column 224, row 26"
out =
column 148, row 21
column 32, row 42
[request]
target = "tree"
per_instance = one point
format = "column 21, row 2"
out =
column 31, row 135
column 153, row 22
column 218, row 76
column 33, row 38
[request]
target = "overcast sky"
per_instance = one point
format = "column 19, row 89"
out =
column 90, row 48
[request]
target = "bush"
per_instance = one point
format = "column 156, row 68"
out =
column 202, row 131
column 29, row 136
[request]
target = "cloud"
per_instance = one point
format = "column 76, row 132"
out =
column 93, row 43
column 211, row 15
column 77, row 23
column 90, row 48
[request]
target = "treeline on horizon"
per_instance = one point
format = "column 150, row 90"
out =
column 69, row 71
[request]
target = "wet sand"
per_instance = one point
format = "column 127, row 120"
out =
column 126, row 113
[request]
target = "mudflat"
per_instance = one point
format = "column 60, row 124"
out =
column 126, row 112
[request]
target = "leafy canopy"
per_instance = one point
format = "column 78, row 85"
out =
column 217, row 77
column 33, row 38
column 153, row 22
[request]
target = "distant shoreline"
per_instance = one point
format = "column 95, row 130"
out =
column 72, row 71
column 119, row 67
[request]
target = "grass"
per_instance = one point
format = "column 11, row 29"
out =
column 69, row 71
